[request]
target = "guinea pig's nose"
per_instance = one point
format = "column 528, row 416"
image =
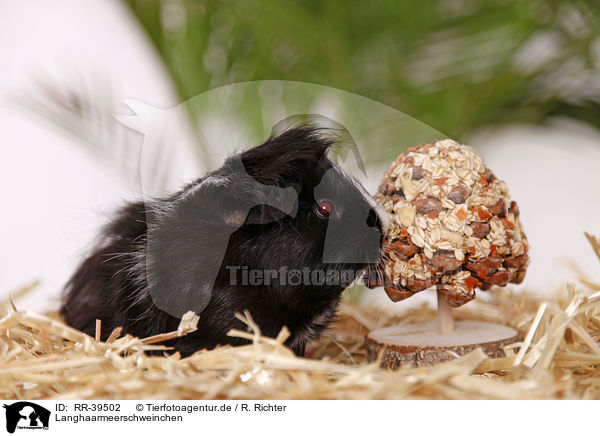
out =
column 377, row 219
column 373, row 220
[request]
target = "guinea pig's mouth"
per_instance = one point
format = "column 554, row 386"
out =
column 374, row 274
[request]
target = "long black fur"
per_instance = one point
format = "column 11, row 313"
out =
column 112, row 283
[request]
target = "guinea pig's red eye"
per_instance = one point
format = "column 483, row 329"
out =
column 324, row 208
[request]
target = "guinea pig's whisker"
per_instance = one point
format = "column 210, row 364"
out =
column 115, row 256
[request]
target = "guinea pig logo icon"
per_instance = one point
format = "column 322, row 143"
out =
column 26, row 415
column 188, row 141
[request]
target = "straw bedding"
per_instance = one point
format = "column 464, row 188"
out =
column 42, row 358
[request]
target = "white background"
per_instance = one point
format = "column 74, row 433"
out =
column 355, row 418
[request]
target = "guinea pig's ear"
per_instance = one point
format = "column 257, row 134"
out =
column 265, row 209
column 188, row 236
column 289, row 157
column 244, row 199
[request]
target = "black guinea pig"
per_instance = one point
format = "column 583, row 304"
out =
column 279, row 230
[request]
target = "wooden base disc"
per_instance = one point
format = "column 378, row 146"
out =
column 423, row 344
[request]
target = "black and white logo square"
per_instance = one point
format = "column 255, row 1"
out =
column 25, row 415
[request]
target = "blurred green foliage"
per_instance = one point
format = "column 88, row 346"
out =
column 455, row 65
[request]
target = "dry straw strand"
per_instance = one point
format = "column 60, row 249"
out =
column 42, row 358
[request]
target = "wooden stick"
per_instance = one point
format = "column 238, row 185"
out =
column 445, row 318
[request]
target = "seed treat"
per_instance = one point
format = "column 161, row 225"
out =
column 453, row 225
